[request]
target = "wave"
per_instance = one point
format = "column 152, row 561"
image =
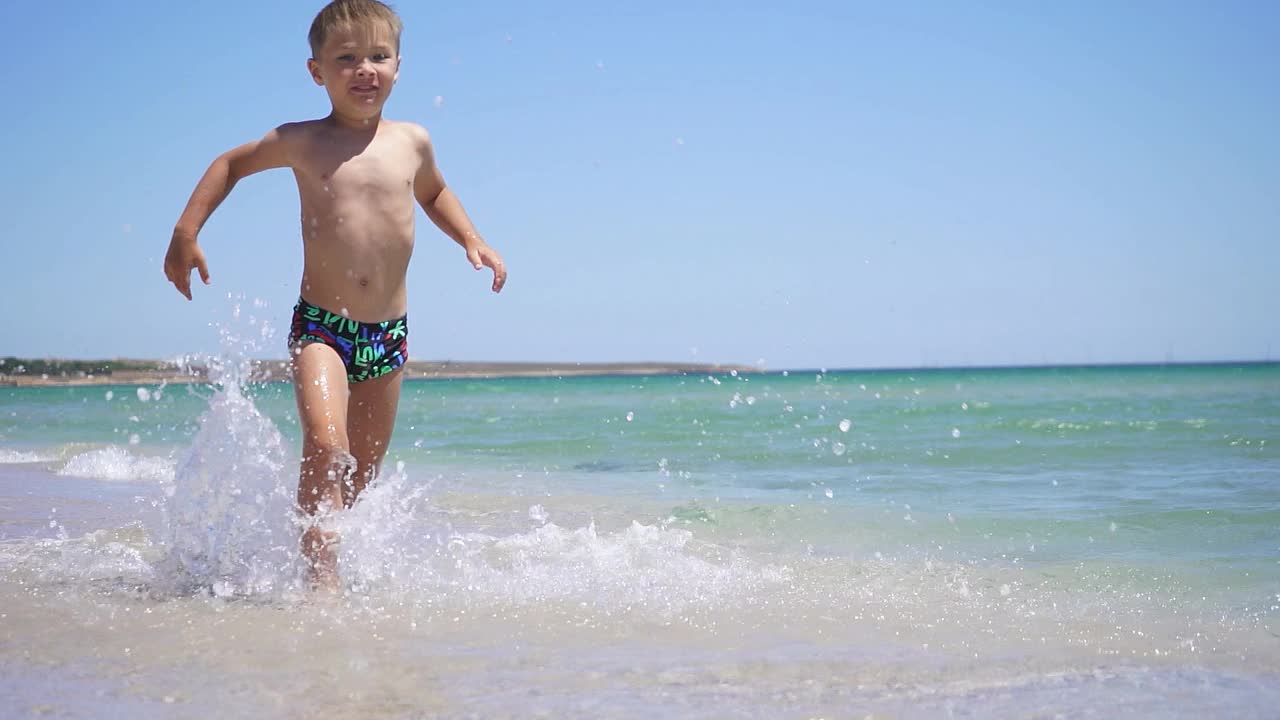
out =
column 117, row 464
column 23, row 457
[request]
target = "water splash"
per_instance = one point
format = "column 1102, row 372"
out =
column 229, row 525
column 231, row 528
column 228, row 516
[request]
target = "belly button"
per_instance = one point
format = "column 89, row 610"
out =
column 364, row 282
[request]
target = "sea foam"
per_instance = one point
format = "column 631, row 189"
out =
column 21, row 457
column 116, row 463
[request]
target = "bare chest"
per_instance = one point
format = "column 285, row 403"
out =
column 380, row 169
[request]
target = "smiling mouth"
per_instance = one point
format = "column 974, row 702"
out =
column 365, row 89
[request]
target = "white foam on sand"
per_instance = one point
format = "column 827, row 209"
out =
column 397, row 544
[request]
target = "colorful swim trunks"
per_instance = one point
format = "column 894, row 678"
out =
column 368, row 349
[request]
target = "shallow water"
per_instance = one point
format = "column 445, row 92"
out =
column 1013, row 543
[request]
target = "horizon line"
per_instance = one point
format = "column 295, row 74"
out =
column 730, row 366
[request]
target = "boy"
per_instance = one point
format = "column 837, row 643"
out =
column 358, row 176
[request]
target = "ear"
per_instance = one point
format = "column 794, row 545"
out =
column 313, row 68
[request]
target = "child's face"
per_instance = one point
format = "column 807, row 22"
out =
column 357, row 67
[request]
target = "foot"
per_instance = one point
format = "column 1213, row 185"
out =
column 319, row 548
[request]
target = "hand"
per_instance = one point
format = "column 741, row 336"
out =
column 482, row 256
column 184, row 256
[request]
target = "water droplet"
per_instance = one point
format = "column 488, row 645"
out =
column 438, row 101
column 955, row 432
column 845, row 424
column 1005, row 590
column 829, row 493
column 109, row 394
column 631, row 416
column 144, row 395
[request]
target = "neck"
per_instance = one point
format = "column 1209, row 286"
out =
column 353, row 122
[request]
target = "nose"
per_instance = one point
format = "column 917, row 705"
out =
column 365, row 67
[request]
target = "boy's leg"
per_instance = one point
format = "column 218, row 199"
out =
column 371, row 416
column 320, row 386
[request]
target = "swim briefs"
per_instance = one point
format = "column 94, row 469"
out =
column 368, row 349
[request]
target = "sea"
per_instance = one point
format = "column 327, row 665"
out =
column 1052, row 542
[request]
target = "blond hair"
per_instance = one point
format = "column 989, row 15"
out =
column 346, row 13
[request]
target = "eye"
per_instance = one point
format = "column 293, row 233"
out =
column 346, row 58
column 381, row 57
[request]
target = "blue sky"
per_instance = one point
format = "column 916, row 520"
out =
column 819, row 185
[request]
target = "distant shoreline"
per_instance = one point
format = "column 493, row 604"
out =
column 57, row 372
column 52, row 372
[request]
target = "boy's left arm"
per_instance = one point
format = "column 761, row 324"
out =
column 444, row 209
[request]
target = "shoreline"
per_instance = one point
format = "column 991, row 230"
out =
column 152, row 372
column 58, row 372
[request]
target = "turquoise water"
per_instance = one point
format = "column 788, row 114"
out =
column 1172, row 455
column 1064, row 532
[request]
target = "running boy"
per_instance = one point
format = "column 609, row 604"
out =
column 358, row 177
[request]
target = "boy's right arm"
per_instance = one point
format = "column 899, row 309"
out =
column 184, row 254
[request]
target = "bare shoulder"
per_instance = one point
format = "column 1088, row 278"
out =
column 300, row 131
column 412, row 133
column 290, row 139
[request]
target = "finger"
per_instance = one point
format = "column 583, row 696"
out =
column 204, row 270
column 473, row 256
column 184, row 286
column 499, row 277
